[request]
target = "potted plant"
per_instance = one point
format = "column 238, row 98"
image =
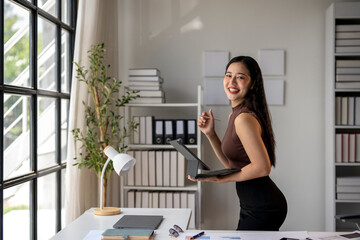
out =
column 102, row 120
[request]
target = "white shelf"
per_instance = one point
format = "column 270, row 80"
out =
column 347, row 127
column 157, row 146
column 162, row 105
column 347, row 164
column 186, row 188
column 134, row 108
column 335, row 15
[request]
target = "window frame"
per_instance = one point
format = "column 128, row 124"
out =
column 33, row 92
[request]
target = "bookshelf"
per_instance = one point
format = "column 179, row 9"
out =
column 342, row 128
column 166, row 111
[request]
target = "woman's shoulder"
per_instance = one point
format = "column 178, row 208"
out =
column 247, row 119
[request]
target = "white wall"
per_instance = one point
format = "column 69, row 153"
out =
column 172, row 35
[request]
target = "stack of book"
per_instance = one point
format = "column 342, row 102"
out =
column 347, row 110
column 347, row 38
column 161, row 168
column 348, row 188
column 348, row 73
column 149, row 84
column 347, row 147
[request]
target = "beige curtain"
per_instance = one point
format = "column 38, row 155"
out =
column 97, row 22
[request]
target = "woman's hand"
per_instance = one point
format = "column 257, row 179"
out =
column 206, row 123
column 209, row 179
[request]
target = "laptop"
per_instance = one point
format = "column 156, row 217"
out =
column 139, row 221
column 194, row 163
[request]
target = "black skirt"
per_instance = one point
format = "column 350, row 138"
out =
column 263, row 206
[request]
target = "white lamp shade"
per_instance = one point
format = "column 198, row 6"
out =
column 122, row 162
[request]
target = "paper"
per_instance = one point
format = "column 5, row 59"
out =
column 272, row 62
column 215, row 63
column 274, row 91
column 245, row 235
column 214, row 93
column 93, row 235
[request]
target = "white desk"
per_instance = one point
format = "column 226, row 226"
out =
column 88, row 221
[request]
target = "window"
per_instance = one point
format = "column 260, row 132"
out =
column 36, row 63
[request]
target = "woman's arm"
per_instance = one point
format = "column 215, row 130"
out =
column 249, row 131
column 207, row 126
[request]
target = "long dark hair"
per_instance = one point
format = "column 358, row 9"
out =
column 255, row 101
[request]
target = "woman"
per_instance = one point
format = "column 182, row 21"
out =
column 249, row 145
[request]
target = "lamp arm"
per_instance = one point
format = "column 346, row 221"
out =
column 101, row 183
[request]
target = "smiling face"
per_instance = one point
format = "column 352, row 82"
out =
column 237, row 83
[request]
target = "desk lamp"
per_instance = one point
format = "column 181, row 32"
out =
column 122, row 163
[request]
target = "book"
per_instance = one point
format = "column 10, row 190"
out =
column 347, row 28
column 130, row 176
column 344, row 110
column 338, row 147
column 138, row 199
column 351, row 111
column 347, row 84
column 347, row 35
column 173, row 168
column 176, row 200
column 137, row 167
column 181, row 170
column 166, row 168
column 136, row 132
column 357, row 148
column 357, row 111
column 145, row 78
column 169, row 200
column 345, row 148
column 148, row 100
column 183, row 200
column 142, row 129
column 162, row 199
column 149, row 129
column 338, row 110
column 347, row 42
column 347, row 49
column 347, row 189
column 150, row 93
column 150, row 204
column 131, row 199
column 126, row 233
column 155, row 201
column 348, row 70
column 144, row 83
column 348, row 77
column 152, row 169
column 144, row 168
column 143, row 72
column 348, row 63
column 159, row 168
column 352, row 145
column 144, row 88
column 348, row 180
column 348, row 196
column 145, row 199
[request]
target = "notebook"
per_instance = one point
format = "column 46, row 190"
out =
column 194, row 163
column 139, row 221
column 127, row 234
